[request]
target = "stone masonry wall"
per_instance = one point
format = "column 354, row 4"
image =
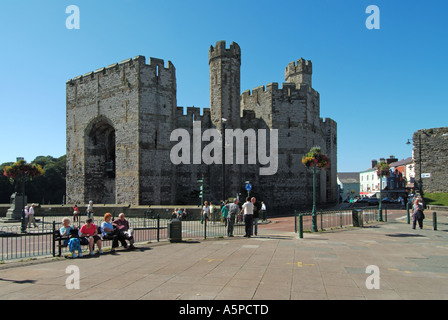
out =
column 434, row 157
column 132, row 105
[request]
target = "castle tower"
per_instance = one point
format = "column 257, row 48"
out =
column 300, row 72
column 119, row 120
column 225, row 84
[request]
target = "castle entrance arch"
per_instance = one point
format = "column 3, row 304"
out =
column 100, row 161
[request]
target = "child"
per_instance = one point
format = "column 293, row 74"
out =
column 73, row 243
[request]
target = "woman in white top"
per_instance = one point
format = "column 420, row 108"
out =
column 205, row 213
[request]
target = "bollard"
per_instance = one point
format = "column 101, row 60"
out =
column 407, row 213
column 295, row 221
column 54, row 239
column 158, row 227
column 300, row 226
column 434, row 220
column 385, row 214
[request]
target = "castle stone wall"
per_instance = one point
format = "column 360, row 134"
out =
column 434, row 157
column 125, row 113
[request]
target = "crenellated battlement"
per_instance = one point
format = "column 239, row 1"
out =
column 130, row 63
column 220, row 50
column 300, row 65
column 186, row 115
column 299, row 71
column 288, row 89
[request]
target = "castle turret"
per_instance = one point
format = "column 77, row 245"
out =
column 225, row 84
column 300, row 72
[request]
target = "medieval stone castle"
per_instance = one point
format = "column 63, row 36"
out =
column 120, row 118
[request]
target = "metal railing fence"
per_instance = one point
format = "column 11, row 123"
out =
column 332, row 219
column 39, row 241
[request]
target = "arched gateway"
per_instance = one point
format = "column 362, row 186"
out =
column 100, row 161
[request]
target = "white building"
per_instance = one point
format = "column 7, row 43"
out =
column 369, row 183
column 348, row 185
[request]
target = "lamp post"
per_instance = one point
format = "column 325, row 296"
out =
column 420, row 180
column 223, row 173
column 380, row 209
column 315, row 159
column 313, row 211
column 382, row 170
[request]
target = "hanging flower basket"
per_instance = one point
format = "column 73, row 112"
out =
column 21, row 169
column 382, row 169
column 315, row 158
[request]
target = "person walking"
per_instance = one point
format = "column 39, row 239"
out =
column 31, row 216
column 417, row 213
column 248, row 213
column 231, row 216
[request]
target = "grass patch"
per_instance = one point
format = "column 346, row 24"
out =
column 436, row 199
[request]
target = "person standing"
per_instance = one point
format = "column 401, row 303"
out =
column 256, row 215
column 225, row 212
column 205, row 213
column 233, row 212
column 263, row 210
column 27, row 212
column 248, row 213
column 89, row 210
column 75, row 213
column 417, row 213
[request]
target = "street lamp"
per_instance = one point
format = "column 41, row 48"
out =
column 420, row 187
column 315, row 159
column 223, row 131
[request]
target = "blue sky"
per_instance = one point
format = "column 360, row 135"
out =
column 379, row 85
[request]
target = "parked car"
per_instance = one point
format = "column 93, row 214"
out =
column 373, row 201
column 388, row 200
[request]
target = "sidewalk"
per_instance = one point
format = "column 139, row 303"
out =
column 276, row 265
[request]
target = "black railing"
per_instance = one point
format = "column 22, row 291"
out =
column 330, row 219
column 148, row 227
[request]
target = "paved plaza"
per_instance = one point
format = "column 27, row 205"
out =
column 275, row 265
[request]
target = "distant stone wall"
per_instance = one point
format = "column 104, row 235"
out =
column 434, row 159
column 100, row 210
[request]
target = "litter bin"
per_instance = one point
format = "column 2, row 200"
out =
column 357, row 218
column 175, row 230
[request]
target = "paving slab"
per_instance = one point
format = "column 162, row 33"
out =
column 276, row 265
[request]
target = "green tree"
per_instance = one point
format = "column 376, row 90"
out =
column 6, row 188
column 44, row 189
